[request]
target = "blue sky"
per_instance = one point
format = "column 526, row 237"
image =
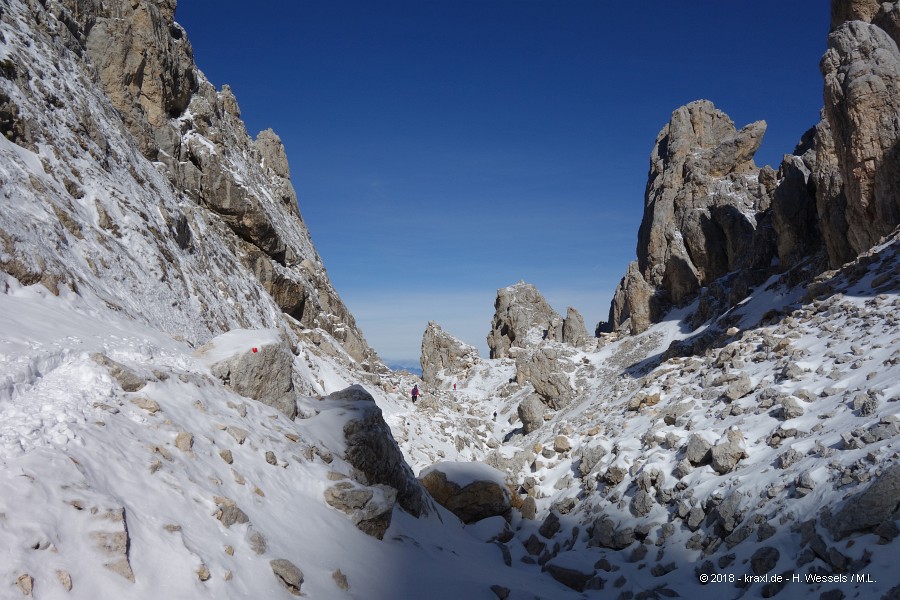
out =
column 443, row 149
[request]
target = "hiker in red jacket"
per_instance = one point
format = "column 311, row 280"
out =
column 415, row 393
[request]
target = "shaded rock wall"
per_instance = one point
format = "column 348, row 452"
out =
column 862, row 108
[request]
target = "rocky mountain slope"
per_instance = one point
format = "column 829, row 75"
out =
column 187, row 409
column 734, row 432
column 177, row 410
column 135, row 181
column 772, row 453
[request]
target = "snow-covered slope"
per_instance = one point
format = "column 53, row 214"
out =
column 138, row 223
column 182, row 488
column 743, row 459
column 145, row 238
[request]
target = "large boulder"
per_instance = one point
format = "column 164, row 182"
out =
column 444, row 356
column 877, row 504
column 726, row 454
column 522, row 317
column 700, row 213
column 372, row 450
column 531, row 412
column 471, row 491
column 547, row 369
column 256, row 364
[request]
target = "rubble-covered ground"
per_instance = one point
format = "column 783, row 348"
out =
column 754, row 457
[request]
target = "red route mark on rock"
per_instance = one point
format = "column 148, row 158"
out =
column 254, row 349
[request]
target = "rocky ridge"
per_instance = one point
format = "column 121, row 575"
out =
column 710, row 212
column 131, row 115
column 173, row 352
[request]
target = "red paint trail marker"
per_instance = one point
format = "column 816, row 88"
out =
column 254, row 349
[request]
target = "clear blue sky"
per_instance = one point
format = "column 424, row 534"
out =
column 442, row 149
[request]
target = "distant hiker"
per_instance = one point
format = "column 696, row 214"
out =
column 415, row 393
column 454, row 387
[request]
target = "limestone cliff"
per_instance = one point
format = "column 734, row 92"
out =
column 445, row 357
column 702, row 213
column 150, row 174
column 710, row 212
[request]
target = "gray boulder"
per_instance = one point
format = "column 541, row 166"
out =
column 531, row 412
column 529, row 508
column 444, row 356
column 739, row 388
column 641, row 503
column 764, row 560
column 264, row 375
column 790, row 408
column 590, row 456
column 287, row 574
column 728, row 452
column 697, row 450
column 607, row 534
column 878, row 503
column 570, row 575
column 127, row 379
column 372, row 450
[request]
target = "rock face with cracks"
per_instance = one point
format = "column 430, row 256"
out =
column 444, row 356
column 521, row 316
column 862, row 103
column 700, row 213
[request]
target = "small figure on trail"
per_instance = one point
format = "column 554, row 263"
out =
column 454, row 387
column 415, row 393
